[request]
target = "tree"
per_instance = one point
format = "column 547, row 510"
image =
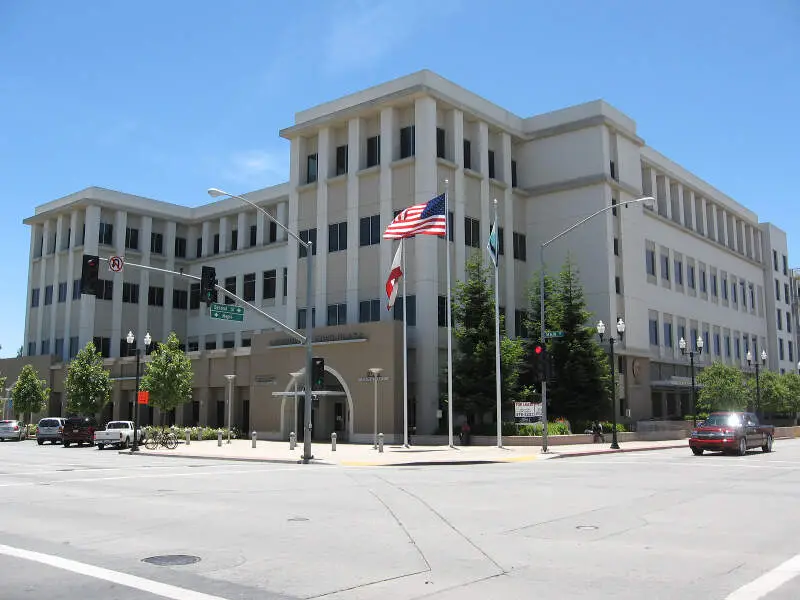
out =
column 532, row 322
column 721, row 387
column 474, row 372
column 773, row 392
column 792, row 382
column 168, row 376
column 29, row 393
column 88, row 384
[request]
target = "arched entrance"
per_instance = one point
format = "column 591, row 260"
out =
column 332, row 411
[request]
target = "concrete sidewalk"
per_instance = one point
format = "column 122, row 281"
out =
column 363, row 455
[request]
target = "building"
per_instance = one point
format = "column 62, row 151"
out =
column 695, row 263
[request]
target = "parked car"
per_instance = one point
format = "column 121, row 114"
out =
column 13, row 430
column 79, row 430
column 50, row 430
column 731, row 432
column 117, row 433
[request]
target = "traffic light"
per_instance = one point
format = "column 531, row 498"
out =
column 208, row 281
column 539, row 362
column 90, row 274
column 317, row 373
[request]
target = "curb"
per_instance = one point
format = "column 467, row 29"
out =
column 279, row 461
column 620, row 451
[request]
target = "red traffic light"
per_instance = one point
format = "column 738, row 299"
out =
column 538, row 349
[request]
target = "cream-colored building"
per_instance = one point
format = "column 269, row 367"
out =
column 695, row 263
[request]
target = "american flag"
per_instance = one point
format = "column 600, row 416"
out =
column 428, row 219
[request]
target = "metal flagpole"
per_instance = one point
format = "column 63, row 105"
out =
column 449, row 319
column 497, row 331
column 405, row 347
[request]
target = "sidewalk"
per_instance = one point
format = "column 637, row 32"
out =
column 363, row 455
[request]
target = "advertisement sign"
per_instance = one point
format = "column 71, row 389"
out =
column 527, row 411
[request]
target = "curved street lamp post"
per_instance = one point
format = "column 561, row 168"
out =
column 758, row 383
column 601, row 329
column 131, row 339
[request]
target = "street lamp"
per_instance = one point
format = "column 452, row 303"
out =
column 131, row 339
column 699, row 351
column 758, row 384
column 601, row 329
column 375, row 373
column 541, row 292
column 230, row 379
column 216, row 193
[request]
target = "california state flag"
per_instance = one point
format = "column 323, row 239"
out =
column 395, row 273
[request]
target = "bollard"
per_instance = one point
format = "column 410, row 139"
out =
column 254, row 436
column 188, row 437
column 219, row 438
column 292, row 440
column 380, row 442
column 333, row 442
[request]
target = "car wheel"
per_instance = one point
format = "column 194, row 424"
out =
column 100, row 446
column 40, row 442
column 742, row 450
column 767, row 447
column 697, row 451
column 66, row 444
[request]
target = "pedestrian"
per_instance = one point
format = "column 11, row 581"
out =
column 465, row 433
column 597, row 432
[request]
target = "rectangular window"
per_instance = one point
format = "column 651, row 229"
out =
column 103, row 345
column 775, row 259
column 681, row 331
column 780, row 348
column 780, row 320
column 216, row 243
column 407, row 141
column 788, row 322
column 253, row 235
column 106, row 234
column 155, row 296
column 440, row 143
column 34, row 297
column 301, row 318
column 678, row 271
column 130, row 292
column 665, row 267
column 521, row 323
column 744, row 293
column 752, row 297
column 650, row 262
column 73, row 347
column 612, row 167
column 667, row 334
column 737, row 347
column 467, row 154
column 46, row 347
column 501, row 241
column 789, row 344
column 411, row 317
column 105, row 289
column 198, row 248
column 273, row 232
column 513, row 173
column 786, row 293
column 234, row 240
column 308, row 236
column 341, row 160
column 442, row 311
column 520, row 241
column 777, row 290
column 492, row 172
column 724, row 288
column 369, row 311
column 48, row 295
column 76, row 289
column 180, row 247
column 717, row 345
column 157, row 243
column 337, row 236
column 653, row 332
column 337, row 314
column 734, row 292
column 370, row 230
column 62, row 291
column 270, row 282
column 714, row 289
column 785, row 265
column 180, row 299
column 131, row 238
column 249, row 291
column 311, row 168
column 285, row 281
column 59, row 351
column 373, row 151
column 230, row 286
column 194, row 296
column 617, row 285
column 728, row 346
column 703, row 288
column 616, row 246
column 472, row 232
column 614, row 203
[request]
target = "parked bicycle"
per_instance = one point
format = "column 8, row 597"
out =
column 161, row 438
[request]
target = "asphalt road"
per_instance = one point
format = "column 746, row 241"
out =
column 77, row 523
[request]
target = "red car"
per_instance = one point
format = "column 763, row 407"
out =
column 731, row 432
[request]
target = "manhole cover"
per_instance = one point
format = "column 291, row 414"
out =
column 586, row 527
column 297, row 519
column 172, row 560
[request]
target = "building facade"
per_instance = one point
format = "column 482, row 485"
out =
column 694, row 263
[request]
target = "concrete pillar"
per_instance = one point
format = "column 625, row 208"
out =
column 206, row 238
column 292, row 249
column 320, row 260
column 171, row 283
column 42, row 284
column 283, row 209
column 73, row 225
column 458, row 196
column 668, row 196
column 354, row 161
column 483, row 148
column 120, row 225
column 505, row 212
column 224, row 235
column 387, row 247
column 55, row 281
column 87, row 303
column 243, row 236
column 142, row 324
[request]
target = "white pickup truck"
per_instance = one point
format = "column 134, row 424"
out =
column 117, row 433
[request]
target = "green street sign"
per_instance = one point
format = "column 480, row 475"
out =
column 553, row 334
column 227, row 312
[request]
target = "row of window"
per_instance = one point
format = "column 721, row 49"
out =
column 775, row 263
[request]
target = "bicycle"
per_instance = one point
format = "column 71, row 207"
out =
column 161, row 438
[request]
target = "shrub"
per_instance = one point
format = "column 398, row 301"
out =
column 197, row 433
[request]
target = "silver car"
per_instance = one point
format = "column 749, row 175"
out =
column 13, row 430
column 50, row 430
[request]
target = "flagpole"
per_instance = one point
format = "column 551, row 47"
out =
column 498, row 374
column 449, row 319
column 405, row 348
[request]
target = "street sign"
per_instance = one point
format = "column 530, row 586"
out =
column 553, row 334
column 227, row 312
column 115, row 263
column 143, row 397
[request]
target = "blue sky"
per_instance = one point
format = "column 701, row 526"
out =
column 165, row 99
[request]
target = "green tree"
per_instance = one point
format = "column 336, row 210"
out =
column 774, row 394
column 29, row 394
column 792, row 383
column 88, row 383
column 168, row 376
column 721, row 387
column 532, row 322
column 474, row 373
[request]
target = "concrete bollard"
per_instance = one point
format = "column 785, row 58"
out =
column 292, row 440
column 254, row 437
column 333, row 442
column 380, row 442
column 188, row 437
column 219, row 438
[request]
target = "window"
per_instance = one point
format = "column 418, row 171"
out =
column 678, row 271
column 786, row 293
column 744, row 294
column 789, row 343
column 780, row 320
column 777, row 290
column 617, row 285
column 501, row 241
column 780, row 348
column 230, row 286
column 308, row 236
column 728, row 346
column 703, row 285
column 157, row 243
column 650, row 262
column 180, row 247
column 717, row 345
column 440, row 143
column 73, row 347
column 513, row 173
column 269, row 279
column 337, row 314
column 520, row 246
column 614, row 203
column 492, row 172
column 76, row 289
column 785, row 265
column 734, row 293
column 724, row 288
column 31, row 348
column 472, row 232
column 234, row 240
column 59, row 351
column 370, row 230
column 667, row 334
column 373, row 151
column 613, row 168
column 106, row 235
column 442, row 311
column 369, row 310
column 194, row 296
column 737, row 347
column 752, row 297
column 103, row 345
column 35, row 297
column 337, row 236
column 130, row 292
column 616, row 246
column 249, row 292
column 285, row 281
column 665, row 267
column 273, row 232
column 48, row 295
column 253, row 235
column 155, row 296
column 199, row 248
column 62, row 291
column 788, row 322
column 180, row 299
column 105, row 289
column 216, row 243
column 411, row 317
column 714, row 289
column 681, row 331
column 45, row 347
column 301, row 318
column 654, row 332
column 131, row 238
column 467, row 154
column 341, row 160
column 775, row 259
column 521, row 323
column 407, row 141
column 311, row 168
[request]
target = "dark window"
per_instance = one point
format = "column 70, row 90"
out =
column 370, row 230
column 73, row 347
column 230, row 286
column 501, row 246
column 59, row 351
column 106, row 235
column 786, row 293
column 216, row 243
column 411, row 317
column 614, row 203
column 775, row 259
column 269, row 281
column 440, row 143
column 442, row 312
column 105, row 289
column 285, row 281
column 724, row 288
column 667, row 334
column 467, row 154
column 273, row 232
column 253, row 235
column 130, row 292
column 613, row 169
column 373, row 151
column 520, row 246
column 48, row 295
column 451, row 227
column 301, row 318
column 521, row 323
column 341, row 160
column 337, row 236
column 103, row 344
column 155, row 296
column 714, row 289
column 617, row 285
column 180, row 247
column 194, row 296
column 199, row 248
column 76, row 289
column 157, row 243
column 665, row 267
column 369, row 310
column 650, row 262
column 180, row 299
column 690, row 277
column 311, row 168
column 678, row 272
column 62, row 291
column 616, row 246
column 654, row 332
column 472, row 232
column 309, row 236
column 337, row 314
column 35, row 297
column 785, row 265
column 131, row 238
column 407, row 141
column 703, row 284
column 513, row 173
column 249, row 287
column 234, row 240
column 491, row 165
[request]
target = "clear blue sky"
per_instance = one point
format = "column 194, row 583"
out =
column 167, row 98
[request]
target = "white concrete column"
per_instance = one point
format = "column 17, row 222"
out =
column 87, row 302
column 224, row 234
column 261, row 225
column 206, row 238
column 321, row 259
column 688, row 196
column 143, row 324
column 55, row 281
column 505, row 211
column 191, row 240
column 244, row 233
column 170, row 282
column 73, row 225
column 120, row 225
column 483, row 148
column 734, row 234
column 668, row 196
column 425, row 273
column 292, row 248
column 654, row 185
column 387, row 247
column 704, row 213
column 459, row 197
column 29, row 333
column 283, row 209
column 42, row 284
column 354, row 160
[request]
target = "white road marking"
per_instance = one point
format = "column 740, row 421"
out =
column 132, row 581
column 723, row 462
column 769, row 581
